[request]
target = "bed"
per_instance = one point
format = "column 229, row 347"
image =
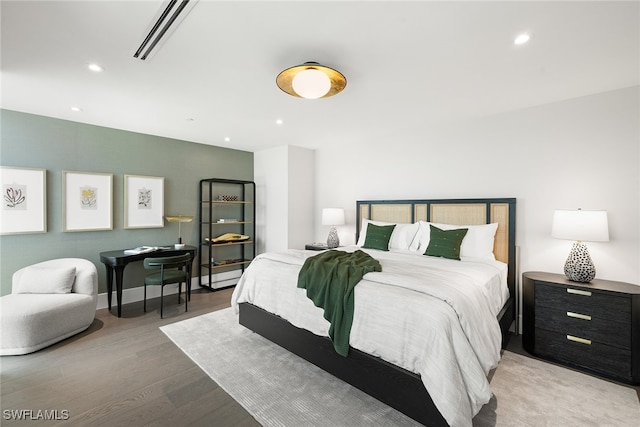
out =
column 400, row 374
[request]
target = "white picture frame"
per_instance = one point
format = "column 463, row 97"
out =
column 87, row 201
column 24, row 200
column 143, row 201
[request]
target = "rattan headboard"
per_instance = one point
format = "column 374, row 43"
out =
column 454, row 211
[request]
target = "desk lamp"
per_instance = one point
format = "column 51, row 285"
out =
column 580, row 225
column 179, row 219
column 333, row 217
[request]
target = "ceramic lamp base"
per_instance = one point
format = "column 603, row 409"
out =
column 333, row 241
column 579, row 267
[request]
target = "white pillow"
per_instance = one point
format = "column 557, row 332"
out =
column 401, row 238
column 46, row 280
column 477, row 243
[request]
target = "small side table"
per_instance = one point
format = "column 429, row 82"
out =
column 591, row 326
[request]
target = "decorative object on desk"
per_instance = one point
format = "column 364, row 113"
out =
column 144, row 249
column 179, row 219
column 579, row 225
column 229, row 237
column 333, row 217
column 311, row 81
column 87, row 201
column 24, row 200
column 227, row 198
column 143, row 201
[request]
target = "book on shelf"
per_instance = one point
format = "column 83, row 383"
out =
column 144, row 249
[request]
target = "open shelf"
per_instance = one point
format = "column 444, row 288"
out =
column 227, row 255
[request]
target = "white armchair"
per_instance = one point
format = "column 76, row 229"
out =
column 50, row 301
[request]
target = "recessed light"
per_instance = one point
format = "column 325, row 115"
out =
column 279, row 122
column 227, row 139
column 95, row 67
column 76, row 109
column 522, row 39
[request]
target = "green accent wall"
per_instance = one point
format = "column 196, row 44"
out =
column 32, row 141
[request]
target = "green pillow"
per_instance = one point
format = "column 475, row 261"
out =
column 445, row 243
column 378, row 236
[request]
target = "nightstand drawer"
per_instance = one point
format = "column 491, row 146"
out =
column 583, row 325
column 573, row 350
column 607, row 306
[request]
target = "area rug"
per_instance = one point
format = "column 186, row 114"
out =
column 280, row 389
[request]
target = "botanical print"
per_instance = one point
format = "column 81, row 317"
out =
column 144, row 199
column 15, row 197
column 89, row 198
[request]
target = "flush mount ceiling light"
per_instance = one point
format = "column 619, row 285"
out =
column 311, row 81
column 522, row 39
column 95, row 68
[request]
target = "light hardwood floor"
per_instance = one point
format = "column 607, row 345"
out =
column 122, row 372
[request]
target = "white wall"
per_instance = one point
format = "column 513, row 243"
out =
column 582, row 152
column 284, row 179
column 270, row 171
column 301, row 196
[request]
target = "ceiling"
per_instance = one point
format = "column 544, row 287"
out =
column 409, row 65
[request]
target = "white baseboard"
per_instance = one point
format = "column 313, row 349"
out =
column 129, row 295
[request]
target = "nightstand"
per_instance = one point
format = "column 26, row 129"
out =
column 590, row 326
column 316, row 246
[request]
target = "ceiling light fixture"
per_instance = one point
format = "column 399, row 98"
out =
column 311, row 81
column 95, row 67
column 522, row 39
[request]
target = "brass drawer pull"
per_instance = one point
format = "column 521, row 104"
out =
column 578, row 339
column 579, row 292
column 578, row 315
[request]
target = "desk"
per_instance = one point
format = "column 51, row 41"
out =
column 116, row 261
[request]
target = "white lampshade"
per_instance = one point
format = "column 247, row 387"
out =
column 332, row 216
column 589, row 226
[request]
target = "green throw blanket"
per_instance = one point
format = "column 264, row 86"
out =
column 330, row 278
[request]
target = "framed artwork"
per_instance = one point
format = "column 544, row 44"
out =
column 143, row 201
column 87, row 201
column 24, row 202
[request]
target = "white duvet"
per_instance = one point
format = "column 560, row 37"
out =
column 431, row 316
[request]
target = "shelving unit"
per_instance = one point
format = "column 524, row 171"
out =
column 226, row 206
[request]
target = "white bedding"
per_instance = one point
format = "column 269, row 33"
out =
column 432, row 316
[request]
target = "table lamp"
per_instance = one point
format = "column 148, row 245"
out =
column 579, row 225
column 179, row 219
column 333, row 217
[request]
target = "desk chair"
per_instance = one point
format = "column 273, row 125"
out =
column 173, row 269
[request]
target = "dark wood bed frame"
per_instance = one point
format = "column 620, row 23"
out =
column 397, row 387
